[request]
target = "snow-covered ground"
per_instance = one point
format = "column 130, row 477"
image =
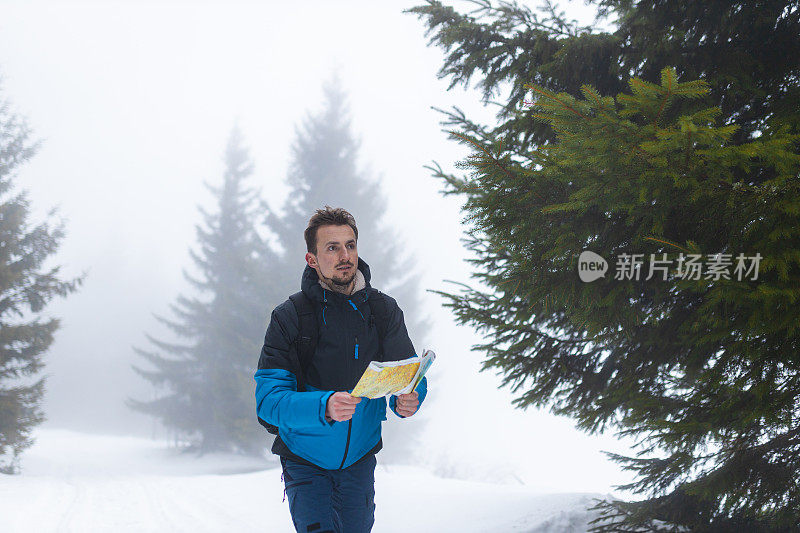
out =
column 81, row 482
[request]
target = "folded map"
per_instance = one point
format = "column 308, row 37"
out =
column 393, row 377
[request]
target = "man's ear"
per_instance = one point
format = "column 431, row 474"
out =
column 311, row 260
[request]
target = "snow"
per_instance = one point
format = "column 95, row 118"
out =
column 74, row 481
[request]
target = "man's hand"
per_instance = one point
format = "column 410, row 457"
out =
column 407, row 404
column 341, row 406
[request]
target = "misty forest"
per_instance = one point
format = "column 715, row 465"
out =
column 585, row 209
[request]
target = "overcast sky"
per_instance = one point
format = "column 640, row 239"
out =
column 134, row 102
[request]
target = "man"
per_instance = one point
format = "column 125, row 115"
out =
column 327, row 439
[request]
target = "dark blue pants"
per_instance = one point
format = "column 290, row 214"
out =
column 341, row 501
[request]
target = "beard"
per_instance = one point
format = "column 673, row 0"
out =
column 341, row 280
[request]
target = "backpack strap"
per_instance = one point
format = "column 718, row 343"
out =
column 379, row 317
column 307, row 337
column 306, row 343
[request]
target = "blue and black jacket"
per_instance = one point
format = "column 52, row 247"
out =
column 348, row 341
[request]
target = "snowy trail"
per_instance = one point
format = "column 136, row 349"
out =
column 84, row 483
column 132, row 504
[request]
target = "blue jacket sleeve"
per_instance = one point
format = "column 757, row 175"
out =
column 277, row 399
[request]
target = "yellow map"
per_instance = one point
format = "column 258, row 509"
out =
column 378, row 381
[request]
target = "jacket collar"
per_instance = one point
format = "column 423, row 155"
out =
column 318, row 290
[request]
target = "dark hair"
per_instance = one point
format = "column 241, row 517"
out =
column 330, row 216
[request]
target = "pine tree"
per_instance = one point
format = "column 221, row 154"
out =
column 207, row 380
column 323, row 172
column 702, row 372
column 25, row 287
column 704, row 375
column 745, row 50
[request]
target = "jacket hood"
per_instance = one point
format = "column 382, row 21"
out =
column 310, row 285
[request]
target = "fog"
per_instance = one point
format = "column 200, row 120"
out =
column 134, row 103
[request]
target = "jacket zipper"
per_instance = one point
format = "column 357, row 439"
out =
column 350, row 422
column 347, row 442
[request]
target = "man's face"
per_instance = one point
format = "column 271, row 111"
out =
column 336, row 248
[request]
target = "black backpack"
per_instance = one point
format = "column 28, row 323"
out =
column 308, row 335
